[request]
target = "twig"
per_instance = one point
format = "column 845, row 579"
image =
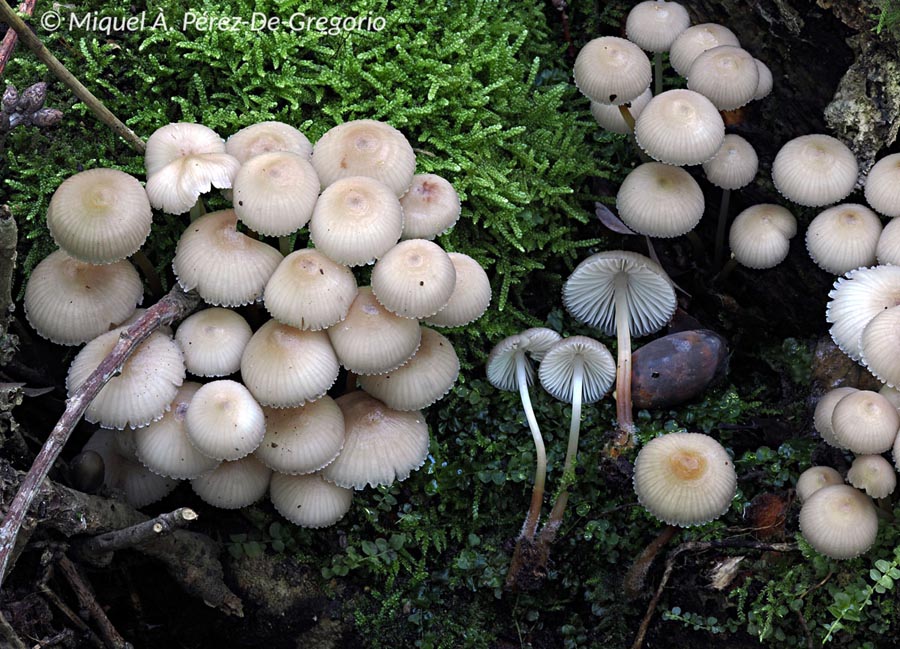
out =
column 33, row 43
column 8, row 44
column 8, row 636
column 9, row 236
column 71, row 616
column 172, row 307
column 111, row 637
column 699, row 546
column 140, row 533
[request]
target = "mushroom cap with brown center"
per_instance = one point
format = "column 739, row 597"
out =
column 693, row 41
column 70, row 302
column 303, row 439
column 883, row 185
column 267, row 137
column 212, row 341
column 100, row 215
column 815, row 170
column 414, row 279
column 843, row 237
column 839, row 521
column 660, row 200
column 680, row 127
column 381, row 445
column 684, row 478
column 365, row 147
column 612, row 70
column 430, row 207
column 655, row 24
column 760, row 235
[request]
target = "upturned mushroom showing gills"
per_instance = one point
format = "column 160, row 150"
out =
column 623, row 294
column 856, row 298
column 509, row 369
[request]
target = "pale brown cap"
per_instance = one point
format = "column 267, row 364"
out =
column 274, row 193
column 430, row 207
column 303, row 439
column 267, row 137
column 100, row 215
column 660, row 200
column 70, row 302
column 815, row 170
column 612, row 70
column 693, row 41
column 680, row 127
column 839, row 522
column 309, row 500
column 212, row 341
column 414, row 279
column 815, row 478
column 471, row 294
column 843, row 237
column 232, row 485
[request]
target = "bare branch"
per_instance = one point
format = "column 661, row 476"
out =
column 8, row 44
column 86, row 600
column 163, row 524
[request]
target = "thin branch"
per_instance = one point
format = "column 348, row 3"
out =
column 172, row 307
column 8, row 44
column 140, row 533
column 32, row 42
column 88, row 602
column 8, row 636
column 71, row 616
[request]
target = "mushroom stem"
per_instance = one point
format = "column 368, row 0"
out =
column 540, row 473
column 627, row 116
column 729, row 266
column 548, row 532
column 285, row 245
column 720, row 227
column 198, row 210
column 149, row 272
column 623, row 365
column 657, row 73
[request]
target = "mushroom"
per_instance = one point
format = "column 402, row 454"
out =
column 883, row 185
column 857, row 298
column 815, row 478
column 623, row 294
column 610, row 117
column 430, row 207
column 879, row 344
column 100, row 216
column 660, row 200
column 684, row 479
column 612, row 70
column 309, row 500
column 765, row 81
column 471, row 294
column 414, row 279
column 726, row 75
column 734, row 166
column 760, row 236
column 680, row 127
column 874, row 475
column 212, row 341
column 825, row 409
column 865, row 422
column 839, row 522
column 654, row 25
column 235, row 484
column 224, row 421
column 843, row 237
column 303, row 439
column 815, row 170
column 888, row 249
column 693, row 41
column 267, row 137
column 574, row 370
column 365, row 147
column 70, row 302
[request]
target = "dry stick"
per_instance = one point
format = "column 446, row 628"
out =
column 172, row 307
column 137, row 534
column 72, row 617
column 8, row 635
column 9, row 41
column 33, row 43
column 699, row 546
column 87, row 601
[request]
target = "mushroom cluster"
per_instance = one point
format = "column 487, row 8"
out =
column 256, row 416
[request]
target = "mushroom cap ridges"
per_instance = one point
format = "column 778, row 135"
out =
column 309, row 500
column 815, row 170
column 727, row 75
column 874, row 475
column 879, row 344
column 760, row 235
column 695, row 40
column 612, row 70
column 589, row 293
column 824, row 410
column 660, row 200
column 856, row 298
column 815, row 478
column 883, row 185
column 414, row 279
column 141, row 392
column 471, row 294
column 430, row 207
column 680, row 127
column 212, row 341
column 684, row 478
column 843, row 237
column 839, row 521
column 235, row 484
column 224, row 421
column 610, row 117
column 502, row 363
column 100, row 215
column 70, row 302
column 381, row 445
column 266, row 137
column 558, row 367
column 734, row 165
column 303, row 439
column 655, row 24
column 865, row 422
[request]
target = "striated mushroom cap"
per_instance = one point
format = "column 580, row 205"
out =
column 303, row 439
column 612, row 70
column 760, row 235
column 815, row 170
column 212, row 341
column 815, row 478
column 660, row 200
column 734, row 165
column 843, row 237
column 224, row 421
column 857, row 298
column 655, row 24
column 839, row 522
column 824, row 410
column 865, row 422
column 267, row 137
column 579, row 354
column 471, row 294
column 874, row 475
column 883, row 185
column 680, row 127
column 430, row 207
column 726, row 75
column 693, row 41
column 309, row 500
column 233, row 485
column 610, row 117
column 414, row 279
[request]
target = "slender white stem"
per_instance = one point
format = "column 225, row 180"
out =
column 540, row 473
column 623, row 365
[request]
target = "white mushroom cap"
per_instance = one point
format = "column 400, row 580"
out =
column 857, row 298
column 422, row 380
column 274, row 193
column 381, row 445
column 655, row 24
column 224, row 421
column 100, row 215
column 414, row 279
column 874, row 475
column 164, row 447
column 589, row 293
column 727, row 75
column 284, row 367
column 766, row 82
column 141, row 392
column 734, row 165
column 891, row 394
column 212, row 341
column 815, row 478
column 430, row 207
column 839, row 522
column 232, row 485
column 684, row 479
column 365, row 147
column 824, row 410
column 843, row 237
column 883, row 185
column 356, row 220
column 310, row 291
column 760, row 235
column 371, row 339
column 865, row 422
column 610, row 117
column 226, row 267
column 309, row 500
column 815, row 170
column 888, row 249
column 680, row 127
column 660, row 200
column 266, row 137
column 880, row 343
column 502, row 362
column 184, row 161
column 612, row 70
column 70, row 302
column 558, row 368
column 471, row 294
column 303, row 439
column 693, row 41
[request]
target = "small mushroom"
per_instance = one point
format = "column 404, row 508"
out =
column 857, row 298
column 212, row 341
column 304, row 439
column 612, row 70
column 879, row 344
column 267, row 137
column 825, row 409
column 414, row 279
column 760, row 236
column 224, row 421
column 610, row 117
column 693, row 41
column 726, row 75
column 654, row 25
column 815, row 170
column 843, row 237
column 660, row 200
column 235, row 484
column 865, row 422
column 680, row 127
column 815, row 478
column 874, row 475
column 471, row 294
column 309, row 500
column 887, row 251
column 883, row 185
column 839, row 522
column 430, row 207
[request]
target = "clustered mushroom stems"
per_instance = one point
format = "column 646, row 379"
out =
column 540, row 473
column 623, row 364
column 721, row 226
column 625, row 111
